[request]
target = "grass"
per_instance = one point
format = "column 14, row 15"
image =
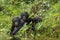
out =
column 47, row 29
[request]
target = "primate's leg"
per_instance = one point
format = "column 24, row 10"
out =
column 16, row 29
column 12, row 29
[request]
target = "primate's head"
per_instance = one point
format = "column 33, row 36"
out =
column 16, row 21
column 24, row 15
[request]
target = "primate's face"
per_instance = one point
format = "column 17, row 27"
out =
column 24, row 15
column 24, row 18
column 16, row 23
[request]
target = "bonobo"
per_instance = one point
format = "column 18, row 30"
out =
column 18, row 22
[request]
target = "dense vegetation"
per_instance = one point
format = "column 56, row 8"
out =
column 48, row 10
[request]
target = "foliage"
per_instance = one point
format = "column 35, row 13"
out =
column 48, row 10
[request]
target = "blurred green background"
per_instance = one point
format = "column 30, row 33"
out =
column 48, row 10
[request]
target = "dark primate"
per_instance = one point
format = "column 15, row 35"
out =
column 18, row 22
column 34, row 21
